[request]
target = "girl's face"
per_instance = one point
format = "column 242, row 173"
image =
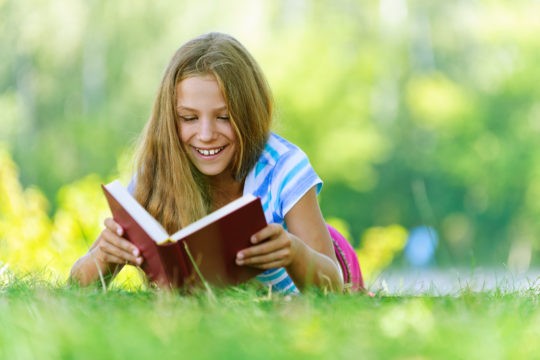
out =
column 205, row 129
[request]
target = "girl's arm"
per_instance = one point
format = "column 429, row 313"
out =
column 106, row 256
column 305, row 250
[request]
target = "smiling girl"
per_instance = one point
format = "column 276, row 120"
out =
column 208, row 142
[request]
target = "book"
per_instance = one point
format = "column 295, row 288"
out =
column 211, row 242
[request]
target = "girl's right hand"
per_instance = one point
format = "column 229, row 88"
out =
column 111, row 248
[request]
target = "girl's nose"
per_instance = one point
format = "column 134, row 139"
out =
column 207, row 130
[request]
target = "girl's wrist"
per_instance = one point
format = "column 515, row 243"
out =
column 299, row 253
column 94, row 265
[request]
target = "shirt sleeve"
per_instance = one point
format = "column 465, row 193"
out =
column 292, row 178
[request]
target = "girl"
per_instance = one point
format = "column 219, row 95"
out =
column 207, row 142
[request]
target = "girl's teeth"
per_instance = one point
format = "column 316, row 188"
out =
column 209, row 152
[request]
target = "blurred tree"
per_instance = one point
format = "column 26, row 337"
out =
column 413, row 112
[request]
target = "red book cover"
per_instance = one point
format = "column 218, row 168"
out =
column 212, row 241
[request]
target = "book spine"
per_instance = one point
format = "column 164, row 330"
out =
column 175, row 264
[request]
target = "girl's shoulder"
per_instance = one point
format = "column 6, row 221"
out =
column 280, row 150
column 281, row 162
column 278, row 163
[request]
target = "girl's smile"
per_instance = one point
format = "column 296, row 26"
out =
column 209, row 152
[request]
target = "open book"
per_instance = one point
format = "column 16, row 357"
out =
column 212, row 241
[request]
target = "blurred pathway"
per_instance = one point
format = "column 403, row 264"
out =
column 454, row 281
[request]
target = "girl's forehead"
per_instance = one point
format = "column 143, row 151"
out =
column 200, row 92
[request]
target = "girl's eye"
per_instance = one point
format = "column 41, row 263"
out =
column 223, row 117
column 188, row 118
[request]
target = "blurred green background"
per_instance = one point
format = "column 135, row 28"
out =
column 414, row 113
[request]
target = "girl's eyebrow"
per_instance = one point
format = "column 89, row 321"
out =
column 181, row 107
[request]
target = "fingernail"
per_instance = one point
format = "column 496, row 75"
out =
column 253, row 240
column 240, row 256
column 135, row 252
column 119, row 231
column 139, row 261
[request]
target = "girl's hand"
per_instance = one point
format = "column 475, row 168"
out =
column 111, row 248
column 273, row 247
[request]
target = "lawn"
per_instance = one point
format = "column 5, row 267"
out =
column 40, row 320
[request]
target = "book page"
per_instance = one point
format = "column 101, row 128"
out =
column 212, row 217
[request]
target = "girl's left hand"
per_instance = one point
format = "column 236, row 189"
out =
column 273, row 247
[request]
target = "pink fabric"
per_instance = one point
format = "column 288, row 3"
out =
column 352, row 275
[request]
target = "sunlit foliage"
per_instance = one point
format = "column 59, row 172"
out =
column 380, row 245
column 31, row 242
column 25, row 227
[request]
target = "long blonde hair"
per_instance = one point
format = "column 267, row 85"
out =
column 168, row 185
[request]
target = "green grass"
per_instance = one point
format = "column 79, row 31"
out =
column 43, row 321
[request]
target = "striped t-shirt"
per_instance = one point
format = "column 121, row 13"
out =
column 281, row 176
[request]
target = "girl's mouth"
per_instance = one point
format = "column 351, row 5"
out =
column 209, row 152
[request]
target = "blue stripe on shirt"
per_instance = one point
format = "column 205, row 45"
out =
column 272, row 152
column 294, row 171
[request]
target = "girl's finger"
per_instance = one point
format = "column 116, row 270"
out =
column 277, row 256
column 264, row 248
column 268, row 232
column 114, row 227
column 120, row 242
column 111, row 259
column 117, row 252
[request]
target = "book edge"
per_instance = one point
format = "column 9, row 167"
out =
column 146, row 221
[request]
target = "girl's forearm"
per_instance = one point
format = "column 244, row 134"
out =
column 311, row 268
column 88, row 270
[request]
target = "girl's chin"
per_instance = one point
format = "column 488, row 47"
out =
column 212, row 172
